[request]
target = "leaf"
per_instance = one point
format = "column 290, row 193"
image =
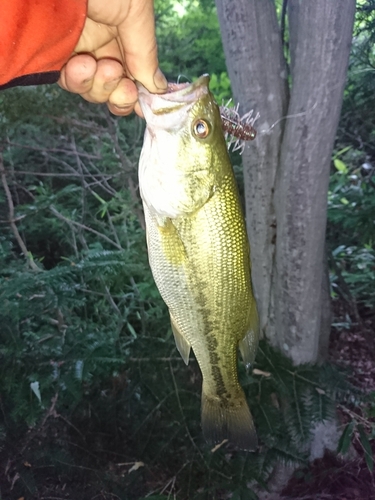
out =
column 215, row 448
column 136, row 466
column 248, row 495
column 261, row 372
column 34, row 386
column 79, row 369
column 338, row 250
column 131, row 330
column 365, row 443
column 342, row 151
column 103, row 202
column 340, row 166
column 155, row 497
column 345, row 439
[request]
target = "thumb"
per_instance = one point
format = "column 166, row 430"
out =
column 137, row 39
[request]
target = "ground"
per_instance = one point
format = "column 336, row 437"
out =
column 330, row 478
column 333, row 478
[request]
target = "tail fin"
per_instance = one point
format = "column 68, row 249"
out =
column 233, row 421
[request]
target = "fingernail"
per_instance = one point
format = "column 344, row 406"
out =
column 121, row 110
column 123, row 107
column 159, row 80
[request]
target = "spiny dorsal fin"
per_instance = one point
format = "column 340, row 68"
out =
column 182, row 344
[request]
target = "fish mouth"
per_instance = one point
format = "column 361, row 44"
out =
column 181, row 89
column 176, row 96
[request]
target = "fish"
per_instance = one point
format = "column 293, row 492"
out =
column 198, row 249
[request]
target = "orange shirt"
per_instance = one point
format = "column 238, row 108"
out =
column 37, row 37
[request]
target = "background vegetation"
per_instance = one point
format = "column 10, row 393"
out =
column 93, row 395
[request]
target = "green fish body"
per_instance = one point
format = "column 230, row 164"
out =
column 198, row 249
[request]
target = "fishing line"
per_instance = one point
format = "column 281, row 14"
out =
column 286, row 117
column 188, row 80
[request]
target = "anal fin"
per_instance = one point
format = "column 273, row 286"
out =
column 182, row 344
column 249, row 344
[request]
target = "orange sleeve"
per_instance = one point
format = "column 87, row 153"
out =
column 37, row 38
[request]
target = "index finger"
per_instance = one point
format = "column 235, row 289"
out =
column 138, row 42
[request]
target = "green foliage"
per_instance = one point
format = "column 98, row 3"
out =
column 360, row 429
column 356, row 127
column 351, row 203
column 189, row 39
column 82, row 226
column 193, row 25
column 351, row 228
column 351, row 198
column 220, row 87
column 356, row 266
column 88, row 364
column 93, row 393
column 351, row 208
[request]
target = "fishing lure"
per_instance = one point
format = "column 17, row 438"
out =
column 239, row 129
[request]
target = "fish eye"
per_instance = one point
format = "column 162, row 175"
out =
column 201, row 128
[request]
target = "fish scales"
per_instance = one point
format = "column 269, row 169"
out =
column 198, row 250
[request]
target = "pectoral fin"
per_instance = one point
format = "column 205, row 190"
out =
column 249, row 344
column 182, row 344
column 171, row 243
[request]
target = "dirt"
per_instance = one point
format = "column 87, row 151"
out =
column 352, row 346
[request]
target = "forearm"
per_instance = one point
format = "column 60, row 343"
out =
column 37, row 39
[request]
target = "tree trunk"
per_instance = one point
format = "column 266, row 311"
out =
column 258, row 73
column 286, row 171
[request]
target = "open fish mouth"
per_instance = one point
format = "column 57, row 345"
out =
column 181, row 89
column 177, row 95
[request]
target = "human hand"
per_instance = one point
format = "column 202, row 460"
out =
column 116, row 47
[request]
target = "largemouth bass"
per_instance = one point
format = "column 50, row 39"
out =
column 198, row 249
